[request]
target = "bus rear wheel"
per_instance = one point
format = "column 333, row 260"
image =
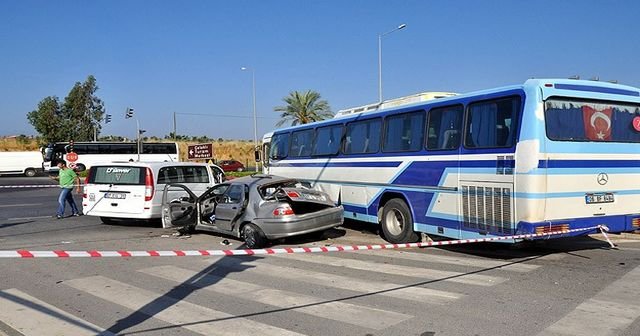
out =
column 397, row 223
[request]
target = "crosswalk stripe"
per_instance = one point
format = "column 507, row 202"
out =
column 33, row 317
column 406, row 292
column 181, row 313
column 371, row 266
column 607, row 313
column 462, row 261
column 326, row 308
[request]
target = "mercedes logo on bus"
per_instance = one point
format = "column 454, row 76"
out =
column 603, row 178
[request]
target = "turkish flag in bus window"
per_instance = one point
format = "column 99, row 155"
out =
column 597, row 123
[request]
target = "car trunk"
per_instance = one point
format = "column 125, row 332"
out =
column 303, row 201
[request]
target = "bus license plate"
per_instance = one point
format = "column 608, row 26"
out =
column 115, row 195
column 599, row 198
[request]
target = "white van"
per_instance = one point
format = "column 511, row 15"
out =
column 133, row 190
column 27, row 163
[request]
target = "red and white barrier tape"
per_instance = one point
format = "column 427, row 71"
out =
column 30, row 186
column 107, row 254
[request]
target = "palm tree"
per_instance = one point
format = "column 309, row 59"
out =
column 303, row 108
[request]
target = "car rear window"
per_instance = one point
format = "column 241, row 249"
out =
column 117, row 175
column 183, row 174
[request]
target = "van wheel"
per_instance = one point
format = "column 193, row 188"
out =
column 108, row 220
column 397, row 223
column 30, row 172
column 253, row 236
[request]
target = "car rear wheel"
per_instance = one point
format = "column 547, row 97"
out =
column 253, row 236
column 30, row 172
column 397, row 223
column 239, row 169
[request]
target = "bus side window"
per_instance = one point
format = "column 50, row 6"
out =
column 404, row 132
column 490, row 123
column 301, row 143
column 362, row 137
column 443, row 127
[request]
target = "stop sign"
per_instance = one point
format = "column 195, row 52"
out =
column 72, row 157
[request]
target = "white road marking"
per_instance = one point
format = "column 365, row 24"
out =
column 181, row 313
column 417, row 293
column 418, row 272
column 608, row 313
column 33, row 317
column 453, row 260
column 325, row 308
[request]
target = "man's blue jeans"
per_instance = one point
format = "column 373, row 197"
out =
column 66, row 195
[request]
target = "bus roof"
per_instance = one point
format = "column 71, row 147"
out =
column 577, row 86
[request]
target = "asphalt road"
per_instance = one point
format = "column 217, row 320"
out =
column 575, row 286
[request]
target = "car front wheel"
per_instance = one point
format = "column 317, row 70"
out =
column 253, row 236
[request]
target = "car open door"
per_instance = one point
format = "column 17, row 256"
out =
column 232, row 204
column 178, row 206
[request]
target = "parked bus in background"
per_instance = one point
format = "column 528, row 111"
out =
column 26, row 163
column 89, row 153
column 548, row 155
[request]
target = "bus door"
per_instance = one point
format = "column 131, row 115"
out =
column 486, row 185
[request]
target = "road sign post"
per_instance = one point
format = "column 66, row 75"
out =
column 200, row 152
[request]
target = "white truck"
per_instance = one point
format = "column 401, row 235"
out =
column 27, row 163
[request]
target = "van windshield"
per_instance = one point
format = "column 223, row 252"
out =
column 117, row 175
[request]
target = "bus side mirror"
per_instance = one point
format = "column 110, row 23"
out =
column 257, row 154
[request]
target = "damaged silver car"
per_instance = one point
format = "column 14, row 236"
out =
column 256, row 208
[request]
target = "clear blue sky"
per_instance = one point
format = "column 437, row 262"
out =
column 185, row 56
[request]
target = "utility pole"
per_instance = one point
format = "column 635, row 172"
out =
column 175, row 135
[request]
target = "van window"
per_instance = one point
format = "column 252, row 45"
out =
column 117, row 175
column 183, row 174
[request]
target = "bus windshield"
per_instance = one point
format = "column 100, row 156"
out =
column 591, row 120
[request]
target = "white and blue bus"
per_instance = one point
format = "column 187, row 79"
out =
column 549, row 155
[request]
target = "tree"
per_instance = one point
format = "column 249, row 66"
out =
column 303, row 108
column 76, row 119
column 47, row 119
column 83, row 111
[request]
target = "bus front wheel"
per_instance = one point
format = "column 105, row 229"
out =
column 397, row 223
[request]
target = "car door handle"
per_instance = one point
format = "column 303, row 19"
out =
column 234, row 208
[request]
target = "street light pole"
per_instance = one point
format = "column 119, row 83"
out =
column 402, row 26
column 255, row 119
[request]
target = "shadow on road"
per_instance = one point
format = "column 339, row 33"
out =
column 4, row 226
column 506, row 251
column 180, row 292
